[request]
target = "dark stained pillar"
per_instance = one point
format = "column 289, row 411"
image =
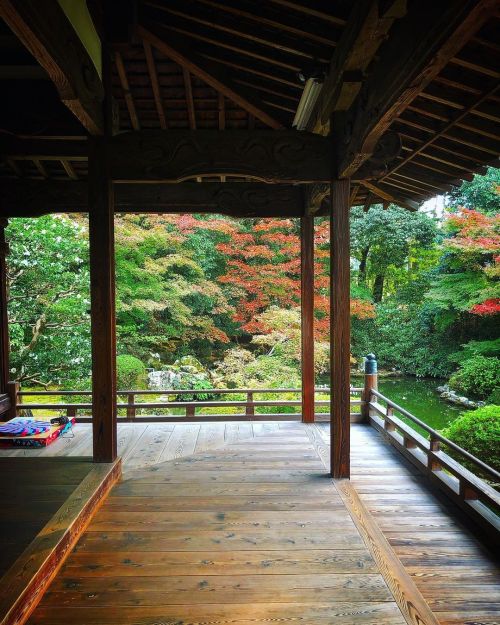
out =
column 4, row 326
column 307, row 316
column 339, row 329
column 102, row 291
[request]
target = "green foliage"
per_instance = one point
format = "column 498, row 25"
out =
column 489, row 347
column 387, row 244
column 478, row 432
column 482, row 193
column 478, row 376
column 49, row 300
column 130, row 373
column 403, row 339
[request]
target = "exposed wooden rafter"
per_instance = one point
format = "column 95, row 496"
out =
column 209, row 72
column 188, row 88
column 390, row 197
column 47, row 33
column 129, row 100
column 420, row 46
column 155, row 85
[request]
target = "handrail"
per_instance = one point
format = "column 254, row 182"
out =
column 249, row 405
column 211, row 391
column 436, row 436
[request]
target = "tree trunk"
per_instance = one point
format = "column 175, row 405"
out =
column 378, row 288
column 362, row 266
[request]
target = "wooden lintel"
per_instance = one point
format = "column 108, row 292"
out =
column 208, row 71
column 178, row 155
column 420, row 46
column 366, row 29
column 49, row 36
column 43, row 149
column 32, row 198
column 390, row 197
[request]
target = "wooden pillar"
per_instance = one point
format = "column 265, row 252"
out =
column 102, row 291
column 307, row 315
column 4, row 324
column 340, row 322
column 370, row 383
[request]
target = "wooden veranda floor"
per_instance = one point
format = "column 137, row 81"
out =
column 237, row 523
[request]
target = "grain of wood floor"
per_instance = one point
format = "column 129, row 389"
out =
column 231, row 523
column 253, row 532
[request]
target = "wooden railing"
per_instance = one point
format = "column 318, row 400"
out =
column 472, row 493
column 248, row 408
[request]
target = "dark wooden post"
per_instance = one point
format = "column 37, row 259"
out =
column 250, row 410
column 102, row 290
column 4, row 323
column 307, row 315
column 340, row 325
column 371, row 382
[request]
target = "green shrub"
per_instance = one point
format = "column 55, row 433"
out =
column 478, row 376
column 130, row 373
column 477, row 431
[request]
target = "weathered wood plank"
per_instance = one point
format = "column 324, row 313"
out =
column 25, row 582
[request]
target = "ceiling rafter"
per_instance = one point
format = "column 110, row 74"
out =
column 235, row 30
column 295, row 30
column 436, row 36
column 484, row 96
column 129, row 100
column 155, row 86
column 211, row 74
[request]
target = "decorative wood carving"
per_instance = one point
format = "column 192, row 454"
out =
column 178, row 155
column 31, row 198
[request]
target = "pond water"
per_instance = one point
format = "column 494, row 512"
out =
column 418, row 397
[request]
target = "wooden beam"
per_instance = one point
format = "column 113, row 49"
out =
column 420, row 46
column 155, row 85
column 68, row 168
column 178, row 155
column 32, row 198
column 4, row 323
column 47, row 33
column 366, row 29
column 188, row 88
column 102, row 295
column 340, row 321
column 129, row 100
column 40, row 167
column 43, row 149
column 390, row 197
column 307, row 316
column 209, row 72
column 222, row 112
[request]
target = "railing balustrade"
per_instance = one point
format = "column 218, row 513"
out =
column 475, row 495
column 250, row 407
